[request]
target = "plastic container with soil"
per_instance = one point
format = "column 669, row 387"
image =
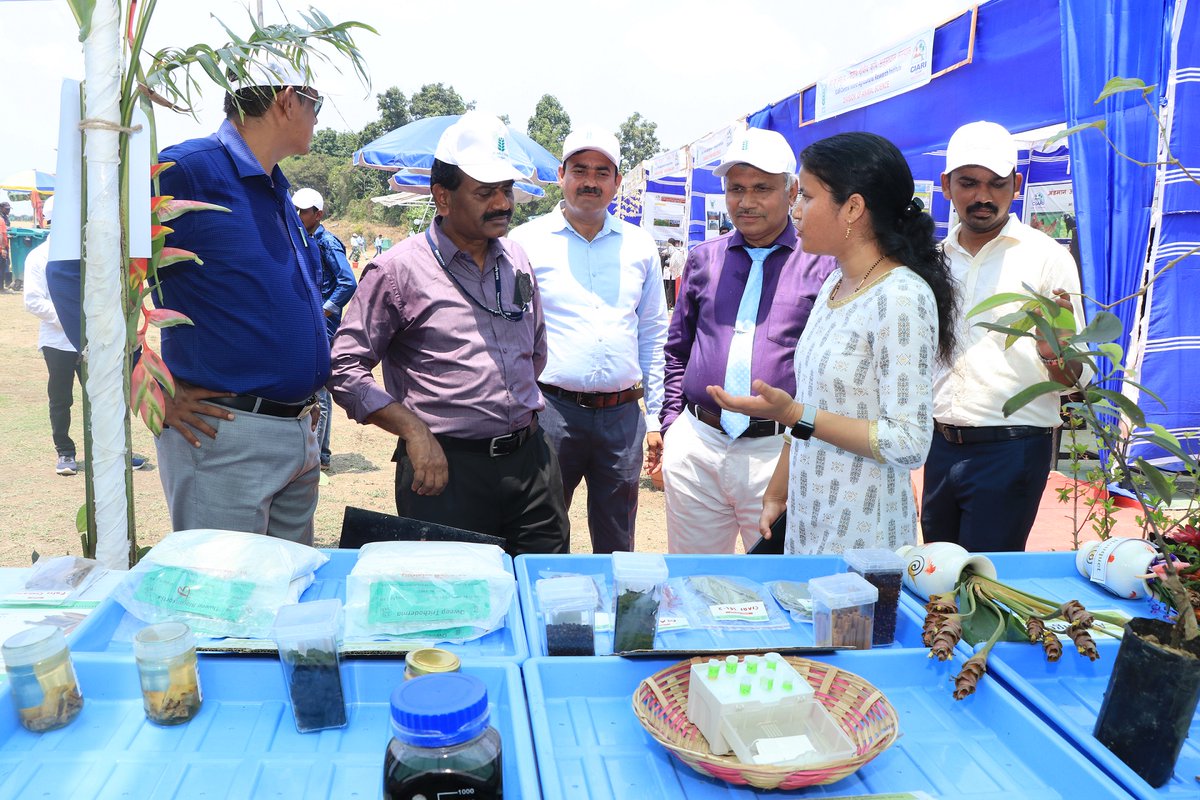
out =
column 884, row 570
column 306, row 635
column 638, row 580
column 568, row 605
column 843, row 610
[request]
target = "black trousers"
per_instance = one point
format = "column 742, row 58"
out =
column 984, row 496
column 518, row 497
column 63, row 366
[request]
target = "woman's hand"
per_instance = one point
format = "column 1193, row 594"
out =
column 767, row 403
column 773, row 508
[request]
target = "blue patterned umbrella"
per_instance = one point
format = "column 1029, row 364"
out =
column 29, row 180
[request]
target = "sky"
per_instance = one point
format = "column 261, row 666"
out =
column 691, row 66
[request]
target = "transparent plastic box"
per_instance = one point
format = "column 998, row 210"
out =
column 843, row 610
column 884, row 570
column 638, row 580
column 797, row 735
column 568, row 605
column 307, row 637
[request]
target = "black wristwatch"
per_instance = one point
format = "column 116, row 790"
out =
column 804, row 427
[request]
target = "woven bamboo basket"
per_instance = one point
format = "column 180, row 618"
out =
column 862, row 711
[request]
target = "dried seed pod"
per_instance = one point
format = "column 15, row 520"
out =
column 968, row 679
column 1052, row 646
column 1034, row 629
column 942, row 646
column 933, row 623
column 1084, row 643
column 1074, row 612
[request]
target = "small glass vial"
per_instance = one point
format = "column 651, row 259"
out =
column 166, row 661
column 44, row 687
column 429, row 661
column 442, row 745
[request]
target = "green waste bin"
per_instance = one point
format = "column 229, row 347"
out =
column 387, row 243
column 22, row 241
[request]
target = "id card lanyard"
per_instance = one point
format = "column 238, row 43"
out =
column 498, row 311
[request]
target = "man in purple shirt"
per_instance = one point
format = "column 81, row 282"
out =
column 455, row 317
column 744, row 300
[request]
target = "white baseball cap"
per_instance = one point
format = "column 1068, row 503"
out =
column 591, row 138
column 762, row 149
column 982, row 144
column 308, row 198
column 478, row 145
column 48, row 208
column 273, row 73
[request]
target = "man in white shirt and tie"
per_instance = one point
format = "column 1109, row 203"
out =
column 606, row 324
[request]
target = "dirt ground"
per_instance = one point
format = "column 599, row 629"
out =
column 38, row 507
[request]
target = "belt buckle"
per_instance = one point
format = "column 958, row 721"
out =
column 308, row 407
column 499, row 440
column 952, row 434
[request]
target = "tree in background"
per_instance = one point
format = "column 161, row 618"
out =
column 638, row 141
column 548, row 126
column 435, row 100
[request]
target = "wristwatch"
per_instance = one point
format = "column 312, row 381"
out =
column 804, row 427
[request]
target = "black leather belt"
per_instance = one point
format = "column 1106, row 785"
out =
column 261, row 405
column 955, row 434
column 594, row 399
column 758, row 427
column 504, row 445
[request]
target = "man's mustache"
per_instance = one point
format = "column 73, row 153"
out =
column 589, row 190
column 497, row 215
column 982, row 207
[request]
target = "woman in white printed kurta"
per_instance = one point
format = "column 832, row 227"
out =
column 870, row 357
column 862, row 417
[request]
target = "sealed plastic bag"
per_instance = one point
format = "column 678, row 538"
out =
column 429, row 591
column 221, row 583
column 728, row 602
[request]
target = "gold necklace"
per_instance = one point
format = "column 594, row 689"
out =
column 866, row 275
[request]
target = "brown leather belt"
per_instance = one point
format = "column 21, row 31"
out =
column 955, row 434
column 594, row 399
column 504, row 445
column 758, row 427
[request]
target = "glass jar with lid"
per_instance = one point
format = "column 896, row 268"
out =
column 167, row 667
column 44, row 687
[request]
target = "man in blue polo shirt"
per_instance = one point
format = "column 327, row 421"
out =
column 240, row 450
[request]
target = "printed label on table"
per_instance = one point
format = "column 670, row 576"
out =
column 36, row 596
column 442, row 602
column 747, row 612
column 1060, row 626
column 178, row 589
column 604, row 621
column 669, row 623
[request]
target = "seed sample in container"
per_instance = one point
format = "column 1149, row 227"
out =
column 306, row 634
column 638, row 579
column 843, row 610
column 884, row 570
column 167, row 667
column 568, row 606
column 44, row 688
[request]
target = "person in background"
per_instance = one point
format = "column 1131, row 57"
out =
column 337, row 287
column 5, row 244
column 676, row 258
column 239, row 450
column 378, row 245
column 456, row 319
column 860, row 417
column 745, row 299
column 987, row 471
column 606, row 323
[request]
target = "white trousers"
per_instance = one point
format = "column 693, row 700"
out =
column 714, row 486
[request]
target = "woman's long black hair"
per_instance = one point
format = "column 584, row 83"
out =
column 869, row 165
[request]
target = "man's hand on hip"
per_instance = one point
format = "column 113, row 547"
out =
column 184, row 410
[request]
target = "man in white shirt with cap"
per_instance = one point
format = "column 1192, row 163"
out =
column 986, row 472
column 455, row 318
column 606, row 323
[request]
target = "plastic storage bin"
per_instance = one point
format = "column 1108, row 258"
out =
column 883, row 569
column 843, row 610
column 806, row 734
column 638, row 580
column 306, row 635
column 568, row 605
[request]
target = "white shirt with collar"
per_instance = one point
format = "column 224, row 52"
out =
column 38, row 303
column 984, row 375
column 605, row 310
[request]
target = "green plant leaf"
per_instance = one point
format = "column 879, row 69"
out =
column 1146, row 391
column 34, row 556
column 1104, row 327
column 1063, row 134
column 1128, row 407
column 1158, row 481
column 1120, row 85
column 1031, row 393
column 83, row 9
column 998, row 300
column 1007, row 331
column 81, row 519
column 1113, row 352
column 1024, row 325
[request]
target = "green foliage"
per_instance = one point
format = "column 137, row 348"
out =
column 549, row 124
column 435, row 100
column 524, row 212
column 393, row 109
column 1119, row 85
column 338, row 144
column 638, row 141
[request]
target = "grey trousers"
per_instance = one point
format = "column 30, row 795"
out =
column 260, row 475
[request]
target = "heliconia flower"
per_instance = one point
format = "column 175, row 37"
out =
column 1187, row 535
column 159, row 201
column 155, row 169
column 173, row 208
column 129, row 23
column 146, row 397
column 137, row 270
column 159, row 231
column 157, row 368
column 166, row 317
column 171, row 255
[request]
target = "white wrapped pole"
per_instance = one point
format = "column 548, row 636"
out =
column 102, row 286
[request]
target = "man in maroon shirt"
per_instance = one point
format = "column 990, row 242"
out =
column 455, row 318
column 744, row 300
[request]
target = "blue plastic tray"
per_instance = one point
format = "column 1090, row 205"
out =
column 242, row 744
column 111, row 629
column 758, row 568
column 1069, row 694
column 590, row 745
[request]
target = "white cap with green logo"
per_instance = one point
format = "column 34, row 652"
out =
column 477, row 144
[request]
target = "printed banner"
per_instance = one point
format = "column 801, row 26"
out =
column 667, row 164
column 710, row 149
column 923, row 191
column 1050, row 208
column 896, row 70
column 716, row 216
column 662, row 215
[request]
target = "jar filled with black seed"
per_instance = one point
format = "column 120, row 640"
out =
column 568, row 606
column 884, row 570
column 306, row 635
